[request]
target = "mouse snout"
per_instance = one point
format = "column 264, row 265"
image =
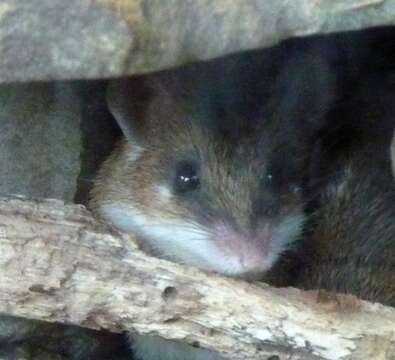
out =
column 252, row 263
column 246, row 254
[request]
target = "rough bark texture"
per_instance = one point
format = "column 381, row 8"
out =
column 60, row 264
column 57, row 39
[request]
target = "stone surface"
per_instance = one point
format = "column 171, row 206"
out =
column 40, row 141
column 57, row 39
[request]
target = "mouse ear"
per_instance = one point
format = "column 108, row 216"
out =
column 127, row 99
column 142, row 104
column 305, row 91
column 303, row 94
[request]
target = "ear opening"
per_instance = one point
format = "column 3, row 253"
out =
column 127, row 100
column 136, row 102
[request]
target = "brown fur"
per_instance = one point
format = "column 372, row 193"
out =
column 174, row 117
column 170, row 126
column 123, row 181
column 351, row 243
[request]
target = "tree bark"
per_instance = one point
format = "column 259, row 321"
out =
column 84, row 39
column 60, row 264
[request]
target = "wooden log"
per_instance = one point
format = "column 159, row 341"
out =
column 60, row 264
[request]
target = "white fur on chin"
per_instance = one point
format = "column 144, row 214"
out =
column 192, row 244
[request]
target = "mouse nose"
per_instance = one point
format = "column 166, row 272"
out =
column 252, row 261
column 245, row 254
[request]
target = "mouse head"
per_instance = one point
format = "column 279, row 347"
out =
column 219, row 193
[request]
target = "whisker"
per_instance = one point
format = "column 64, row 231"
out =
column 86, row 180
column 182, row 227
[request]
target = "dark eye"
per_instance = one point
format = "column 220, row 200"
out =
column 296, row 189
column 187, row 178
column 269, row 179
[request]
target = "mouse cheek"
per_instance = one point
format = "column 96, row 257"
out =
column 291, row 202
column 288, row 230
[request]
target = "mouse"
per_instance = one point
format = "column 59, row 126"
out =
column 216, row 192
column 209, row 178
column 350, row 238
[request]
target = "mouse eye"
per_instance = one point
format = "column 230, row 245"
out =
column 296, row 189
column 268, row 179
column 187, row 178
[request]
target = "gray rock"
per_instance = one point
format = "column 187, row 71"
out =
column 57, row 39
column 40, row 141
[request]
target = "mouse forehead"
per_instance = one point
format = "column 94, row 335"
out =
column 188, row 138
column 231, row 174
column 182, row 129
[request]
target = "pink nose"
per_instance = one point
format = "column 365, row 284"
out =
column 243, row 253
column 252, row 260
